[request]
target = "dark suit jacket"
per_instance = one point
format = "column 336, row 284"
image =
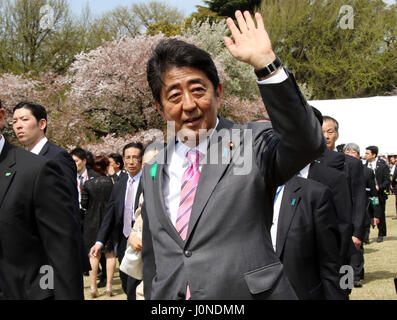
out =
column 394, row 179
column 36, row 228
column 373, row 211
column 308, row 240
column 228, row 253
column 113, row 221
column 336, row 181
column 118, row 177
column 382, row 176
column 69, row 170
column 356, row 181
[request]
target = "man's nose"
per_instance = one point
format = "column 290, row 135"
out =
column 189, row 103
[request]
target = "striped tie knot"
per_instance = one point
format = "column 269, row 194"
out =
column 194, row 157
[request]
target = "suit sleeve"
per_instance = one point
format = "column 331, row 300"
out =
column 358, row 197
column 326, row 233
column 297, row 138
column 56, row 227
column 85, row 197
column 149, row 265
column 385, row 185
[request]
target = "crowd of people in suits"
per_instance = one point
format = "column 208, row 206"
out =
column 204, row 230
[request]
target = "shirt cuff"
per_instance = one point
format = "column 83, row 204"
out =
column 98, row 242
column 278, row 78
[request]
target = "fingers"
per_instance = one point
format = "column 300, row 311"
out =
column 259, row 21
column 241, row 22
column 248, row 19
column 233, row 29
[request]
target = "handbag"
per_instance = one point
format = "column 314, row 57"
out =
column 132, row 263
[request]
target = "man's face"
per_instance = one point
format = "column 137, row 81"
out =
column 113, row 166
column 352, row 153
column 190, row 100
column 2, row 117
column 330, row 134
column 28, row 130
column 369, row 156
column 80, row 164
column 132, row 161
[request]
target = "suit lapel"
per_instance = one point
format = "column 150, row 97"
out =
column 289, row 203
column 45, row 148
column 158, row 195
column 7, row 172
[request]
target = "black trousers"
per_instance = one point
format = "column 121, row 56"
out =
column 357, row 263
column 382, row 219
column 128, row 283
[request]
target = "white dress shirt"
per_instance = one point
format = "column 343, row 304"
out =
column 2, row 142
column 135, row 185
column 173, row 173
column 276, row 213
column 39, row 145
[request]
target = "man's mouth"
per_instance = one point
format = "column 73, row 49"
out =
column 192, row 122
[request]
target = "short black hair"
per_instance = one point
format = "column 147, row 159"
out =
column 79, row 153
column 340, row 147
column 176, row 53
column 117, row 159
column 1, row 106
column 328, row 118
column 136, row 145
column 37, row 110
column 373, row 149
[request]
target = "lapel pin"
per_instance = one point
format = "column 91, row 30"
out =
column 8, row 174
column 153, row 171
column 293, row 202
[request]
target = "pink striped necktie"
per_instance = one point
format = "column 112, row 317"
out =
column 190, row 181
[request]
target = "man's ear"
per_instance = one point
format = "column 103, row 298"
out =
column 2, row 117
column 42, row 124
column 218, row 95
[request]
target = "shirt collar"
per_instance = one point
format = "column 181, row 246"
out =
column 136, row 177
column 183, row 149
column 39, row 145
column 2, row 142
column 84, row 174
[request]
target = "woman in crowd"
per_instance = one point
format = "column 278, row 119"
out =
column 94, row 197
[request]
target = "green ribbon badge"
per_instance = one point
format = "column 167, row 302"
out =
column 8, row 174
column 153, row 171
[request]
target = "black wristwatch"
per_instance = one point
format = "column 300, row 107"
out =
column 269, row 69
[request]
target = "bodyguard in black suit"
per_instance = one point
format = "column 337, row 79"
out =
column 39, row 253
column 30, row 127
column 382, row 184
column 117, row 222
column 335, row 180
column 307, row 241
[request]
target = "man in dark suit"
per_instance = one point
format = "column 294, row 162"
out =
column 209, row 195
column 116, row 166
column 357, row 260
column 382, row 184
column 30, row 126
column 393, row 186
column 118, row 220
column 37, row 230
column 84, row 174
column 306, row 239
